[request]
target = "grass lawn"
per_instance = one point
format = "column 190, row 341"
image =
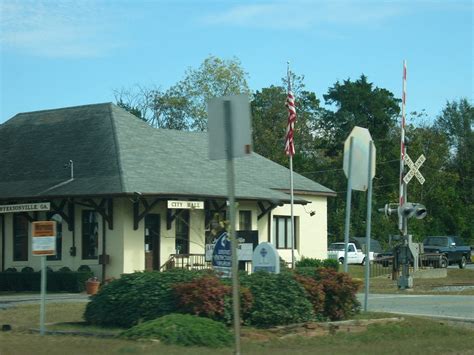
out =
column 412, row 336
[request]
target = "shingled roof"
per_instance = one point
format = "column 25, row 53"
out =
column 114, row 153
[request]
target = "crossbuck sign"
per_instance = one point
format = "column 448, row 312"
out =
column 414, row 169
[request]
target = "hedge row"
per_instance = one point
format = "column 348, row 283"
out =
column 55, row 281
column 317, row 263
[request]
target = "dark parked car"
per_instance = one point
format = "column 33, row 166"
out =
column 452, row 248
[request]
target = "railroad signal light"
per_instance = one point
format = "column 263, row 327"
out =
column 410, row 209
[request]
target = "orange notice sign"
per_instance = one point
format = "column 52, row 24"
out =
column 43, row 235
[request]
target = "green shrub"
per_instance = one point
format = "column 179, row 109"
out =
column 182, row 329
column 331, row 264
column 20, row 281
column 317, row 263
column 11, row 269
column 84, row 268
column 27, row 269
column 308, row 262
column 340, row 293
column 315, row 294
column 67, row 281
column 277, row 299
column 55, row 281
column 209, row 297
column 66, row 269
column 140, row 296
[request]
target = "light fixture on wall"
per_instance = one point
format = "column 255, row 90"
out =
column 311, row 213
column 136, row 197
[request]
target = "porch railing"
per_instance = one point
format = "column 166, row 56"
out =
column 186, row 261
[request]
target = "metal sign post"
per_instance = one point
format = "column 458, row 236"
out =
column 356, row 149
column 231, row 192
column 368, row 227
column 359, row 147
column 43, row 241
column 43, row 295
column 347, row 222
column 229, row 137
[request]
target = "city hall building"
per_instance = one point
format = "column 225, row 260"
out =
column 129, row 197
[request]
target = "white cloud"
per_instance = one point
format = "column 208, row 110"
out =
column 305, row 14
column 56, row 29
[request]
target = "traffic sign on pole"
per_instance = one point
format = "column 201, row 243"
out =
column 360, row 156
column 43, row 242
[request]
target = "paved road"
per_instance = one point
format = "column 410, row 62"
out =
column 442, row 306
column 468, row 266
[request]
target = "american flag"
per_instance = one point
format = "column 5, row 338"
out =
column 290, row 128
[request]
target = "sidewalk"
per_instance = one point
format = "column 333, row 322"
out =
column 35, row 298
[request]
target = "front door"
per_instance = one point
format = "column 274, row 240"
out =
column 152, row 242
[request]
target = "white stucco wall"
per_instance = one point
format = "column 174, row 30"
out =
column 126, row 248
column 115, row 243
column 311, row 230
column 197, row 235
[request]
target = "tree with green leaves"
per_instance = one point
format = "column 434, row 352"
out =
column 183, row 106
column 448, row 143
column 160, row 109
column 270, row 118
column 456, row 124
column 358, row 103
column 215, row 77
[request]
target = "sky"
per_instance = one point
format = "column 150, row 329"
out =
column 67, row 53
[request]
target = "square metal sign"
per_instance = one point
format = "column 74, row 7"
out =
column 238, row 112
column 43, row 238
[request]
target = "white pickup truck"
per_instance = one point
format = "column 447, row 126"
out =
column 354, row 255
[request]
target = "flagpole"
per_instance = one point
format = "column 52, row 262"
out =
column 292, row 229
column 292, row 216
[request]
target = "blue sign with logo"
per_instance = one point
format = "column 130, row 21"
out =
column 222, row 255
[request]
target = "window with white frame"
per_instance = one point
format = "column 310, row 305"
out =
column 282, row 232
column 245, row 220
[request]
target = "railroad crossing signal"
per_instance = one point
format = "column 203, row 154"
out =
column 414, row 169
